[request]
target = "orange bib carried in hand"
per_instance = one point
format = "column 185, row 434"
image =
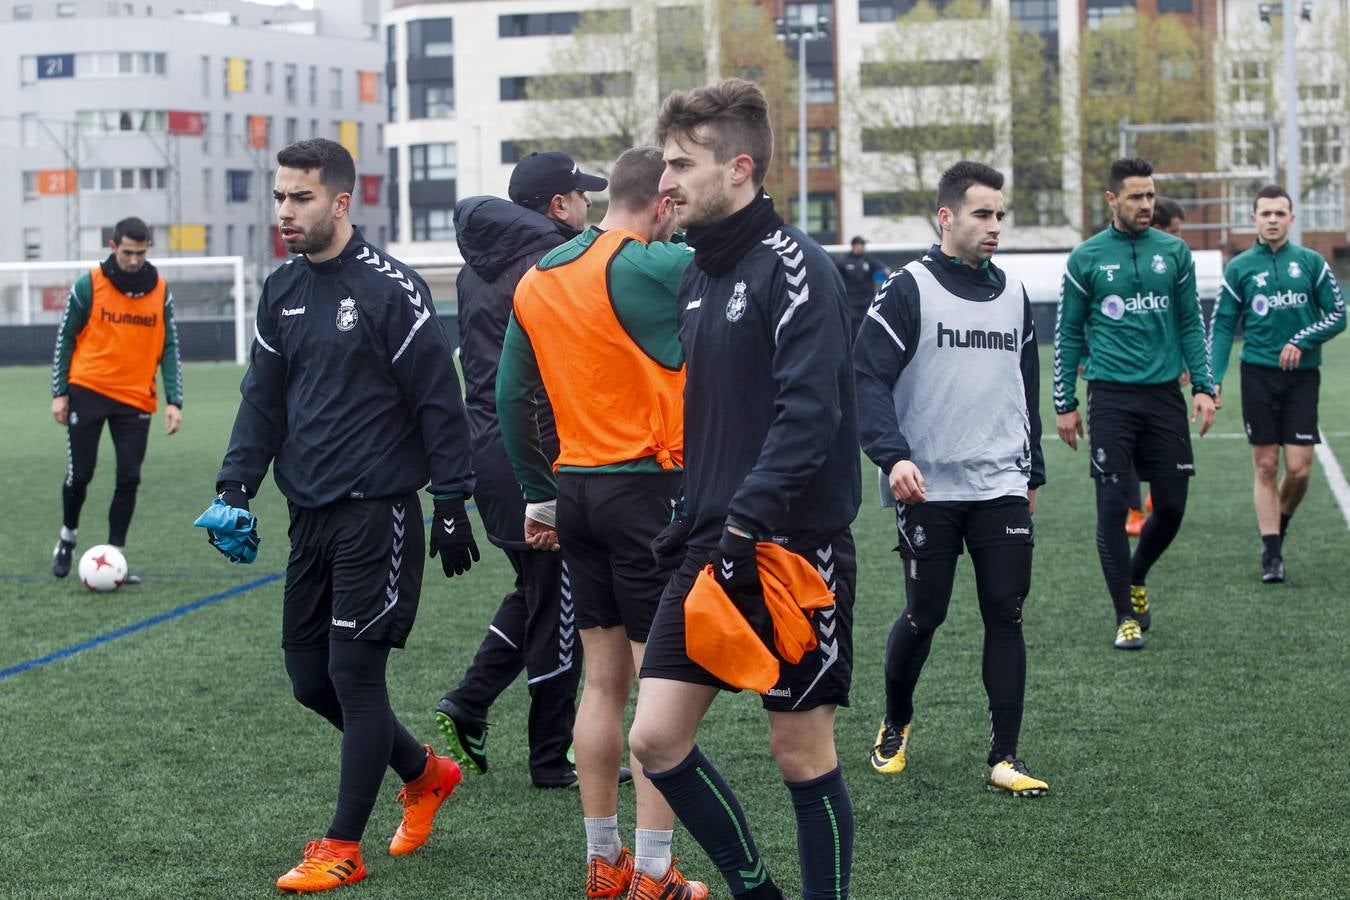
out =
column 719, row 639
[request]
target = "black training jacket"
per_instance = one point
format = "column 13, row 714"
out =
column 351, row 385
column 770, row 426
column 499, row 241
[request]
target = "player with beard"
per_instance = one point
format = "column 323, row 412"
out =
column 948, row 392
column 771, row 457
column 117, row 329
column 351, row 390
column 1129, row 301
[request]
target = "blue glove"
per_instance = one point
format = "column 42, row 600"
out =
column 231, row 530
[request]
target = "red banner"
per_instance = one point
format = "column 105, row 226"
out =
column 54, row 298
column 370, row 85
column 278, row 245
column 257, row 132
column 370, row 189
column 189, row 123
column 57, row 181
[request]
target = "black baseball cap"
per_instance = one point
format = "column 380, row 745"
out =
column 858, row 239
column 539, row 176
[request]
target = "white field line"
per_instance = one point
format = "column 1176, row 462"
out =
column 1238, row 435
column 1335, row 477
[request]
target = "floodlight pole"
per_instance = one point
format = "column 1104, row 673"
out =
column 1293, row 156
column 802, row 32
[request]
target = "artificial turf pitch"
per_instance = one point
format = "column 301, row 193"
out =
column 173, row 762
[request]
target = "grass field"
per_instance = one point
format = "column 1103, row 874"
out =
column 173, row 762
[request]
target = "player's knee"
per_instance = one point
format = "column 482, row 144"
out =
column 921, row 622
column 1298, row 473
column 1267, row 468
column 800, row 756
column 645, row 740
column 79, row 476
column 128, row 482
column 312, row 690
column 1004, row 614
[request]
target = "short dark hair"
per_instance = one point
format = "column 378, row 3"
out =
column 337, row 169
column 635, row 182
column 1128, row 167
column 736, row 117
column 1272, row 192
column 132, row 228
column 1166, row 211
column 954, row 183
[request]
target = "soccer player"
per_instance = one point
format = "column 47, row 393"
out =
column 1168, row 216
column 117, row 329
column 861, row 274
column 533, row 629
column 1129, row 299
column 1289, row 304
column 351, row 390
column 595, row 326
column 771, row 454
column 948, row 407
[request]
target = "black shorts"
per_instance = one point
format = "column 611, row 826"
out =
column 355, row 572
column 822, row 676
column 1280, row 407
column 606, row 524
column 939, row 530
column 1141, row 424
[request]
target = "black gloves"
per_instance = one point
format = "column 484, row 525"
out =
column 233, row 494
column 452, row 537
column 736, row 570
column 668, row 547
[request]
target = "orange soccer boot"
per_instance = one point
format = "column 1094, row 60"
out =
column 1134, row 522
column 327, row 864
column 421, row 798
column 671, row 886
column 609, row 879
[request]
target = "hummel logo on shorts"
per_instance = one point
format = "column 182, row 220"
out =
column 344, row 623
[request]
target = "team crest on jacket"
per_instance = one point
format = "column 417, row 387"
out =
column 1295, row 270
column 346, row 314
column 736, row 305
column 1159, row 264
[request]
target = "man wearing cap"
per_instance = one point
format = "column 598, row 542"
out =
column 534, row 628
column 863, row 275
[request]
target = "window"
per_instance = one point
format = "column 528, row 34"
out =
column 1099, row 12
column 335, row 88
column 1041, row 16
column 32, row 243
column 206, row 76
column 681, row 61
column 538, row 24
column 1324, row 206
column 430, row 38
column 290, row 82
column 267, row 77
column 432, row 161
column 1326, row 91
column 206, row 188
column 206, row 133
column 228, row 134
column 1175, row 6
column 229, row 240
column 1248, row 80
column 808, row 14
column 1250, row 148
column 1046, row 209
column 65, row 10
column 953, row 137
column 926, row 73
column 313, row 128
column 393, row 102
column 581, row 84
column 109, row 180
column 103, row 121
column 893, row 204
column 433, row 224
column 313, row 85
column 23, row 13
column 432, row 100
column 820, row 148
column 30, row 186
column 237, row 182
column 1321, row 145
column 292, row 130
column 822, row 216
column 584, row 149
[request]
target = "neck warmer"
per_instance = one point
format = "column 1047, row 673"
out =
column 133, row 284
column 719, row 246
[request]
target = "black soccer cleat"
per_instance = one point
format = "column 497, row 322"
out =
column 1272, row 570
column 465, row 735
column 61, row 557
column 567, row 778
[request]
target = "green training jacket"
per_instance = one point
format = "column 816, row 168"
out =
column 1129, row 302
column 1287, row 296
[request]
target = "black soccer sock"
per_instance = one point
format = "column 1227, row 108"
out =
column 1113, row 545
column 824, row 834
column 313, row 687
column 928, row 590
column 1133, row 491
column 713, row 816
column 1270, row 546
column 1003, row 580
column 1284, row 524
column 120, row 511
column 72, row 501
column 1169, row 506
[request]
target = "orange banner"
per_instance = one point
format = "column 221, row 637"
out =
column 370, row 87
column 257, row 132
column 57, row 181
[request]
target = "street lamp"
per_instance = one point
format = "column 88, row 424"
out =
column 803, row 32
column 1293, row 156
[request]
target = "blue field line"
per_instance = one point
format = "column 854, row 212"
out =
column 146, row 623
column 138, row 626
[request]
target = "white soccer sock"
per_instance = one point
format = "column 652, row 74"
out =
column 602, row 838
column 67, row 535
column 653, row 851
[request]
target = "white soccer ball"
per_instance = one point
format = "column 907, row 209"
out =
column 103, row 568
